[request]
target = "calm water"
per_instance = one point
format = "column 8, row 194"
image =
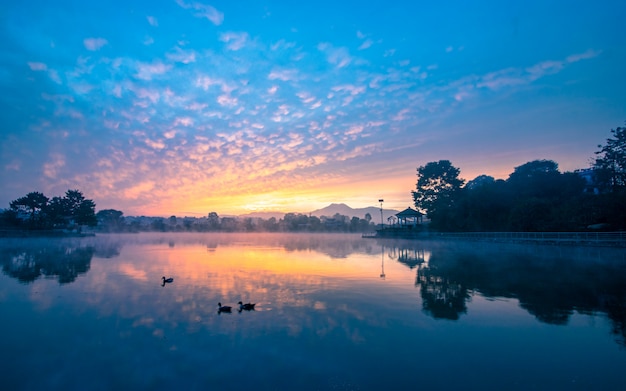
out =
column 334, row 312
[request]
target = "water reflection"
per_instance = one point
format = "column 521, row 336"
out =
column 64, row 259
column 327, row 306
column 61, row 261
column 550, row 283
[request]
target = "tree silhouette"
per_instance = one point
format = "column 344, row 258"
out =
column 611, row 162
column 32, row 206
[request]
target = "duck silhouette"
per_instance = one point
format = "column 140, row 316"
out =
column 223, row 308
column 247, row 306
column 166, row 280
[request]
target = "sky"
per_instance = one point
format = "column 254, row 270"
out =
column 185, row 107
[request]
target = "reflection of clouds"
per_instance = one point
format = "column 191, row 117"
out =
column 130, row 271
column 293, row 287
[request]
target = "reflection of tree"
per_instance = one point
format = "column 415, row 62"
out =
column 551, row 287
column 29, row 263
column 442, row 297
column 616, row 312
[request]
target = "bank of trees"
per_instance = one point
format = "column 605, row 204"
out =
column 535, row 197
column 111, row 220
column 35, row 211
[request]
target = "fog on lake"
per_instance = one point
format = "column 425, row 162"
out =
column 332, row 311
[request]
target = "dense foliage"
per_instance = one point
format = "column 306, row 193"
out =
column 111, row 220
column 535, row 197
column 35, row 211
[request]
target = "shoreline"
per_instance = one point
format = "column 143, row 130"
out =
column 591, row 239
column 43, row 234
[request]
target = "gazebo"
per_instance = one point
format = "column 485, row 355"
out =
column 409, row 217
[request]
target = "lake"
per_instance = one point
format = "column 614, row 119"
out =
column 333, row 312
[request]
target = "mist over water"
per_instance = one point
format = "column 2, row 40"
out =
column 333, row 311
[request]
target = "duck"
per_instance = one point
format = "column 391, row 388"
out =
column 223, row 308
column 167, row 280
column 247, row 306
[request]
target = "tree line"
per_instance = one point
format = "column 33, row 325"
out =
column 35, row 211
column 536, row 197
column 111, row 220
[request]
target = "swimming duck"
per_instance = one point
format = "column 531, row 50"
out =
column 223, row 308
column 167, row 280
column 247, row 306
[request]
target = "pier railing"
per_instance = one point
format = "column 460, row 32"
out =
column 596, row 238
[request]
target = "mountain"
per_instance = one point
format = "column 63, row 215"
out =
column 330, row 211
column 264, row 215
column 345, row 210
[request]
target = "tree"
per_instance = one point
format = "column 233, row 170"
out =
column 80, row 209
column 31, row 206
column 537, row 178
column 112, row 220
column 214, row 221
column 480, row 181
column 611, row 162
column 437, row 185
column 85, row 213
column 8, row 218
column 57, row 212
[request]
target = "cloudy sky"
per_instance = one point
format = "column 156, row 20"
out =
column 182, row 107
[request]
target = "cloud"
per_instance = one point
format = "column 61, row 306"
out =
column 544, row 68
column 366, row 44
column 235, row 41
column 283, row 74
column 152, row 20
column 583, row 56
column 517, row 76
column 353, row 90
column 195, row 106
column 203, row 11
column 145, row 71
column 145, row 93
column 51, row 168
column 94, row 44
column 155, row 144
column 135, row 191
column 206, row 82
column 184, row 121
column 41, row 67
column 227, row 100
column 54, row 76
column 37, row 66
column 182, row 56
column 282, row 45
column 338, row 56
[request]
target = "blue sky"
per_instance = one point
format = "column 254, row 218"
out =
column 182, row 107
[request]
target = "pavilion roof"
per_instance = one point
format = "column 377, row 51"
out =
column 409, row 212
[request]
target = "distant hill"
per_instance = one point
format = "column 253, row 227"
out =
column 264, row 215
column 345, row 210
column 330, row 211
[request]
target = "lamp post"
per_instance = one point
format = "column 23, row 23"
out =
column 382, row 223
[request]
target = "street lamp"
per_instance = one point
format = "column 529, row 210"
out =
column 382, row 223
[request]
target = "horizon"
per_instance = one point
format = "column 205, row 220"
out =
column 188, row 107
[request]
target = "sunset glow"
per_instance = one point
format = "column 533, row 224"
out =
column 186, row 107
